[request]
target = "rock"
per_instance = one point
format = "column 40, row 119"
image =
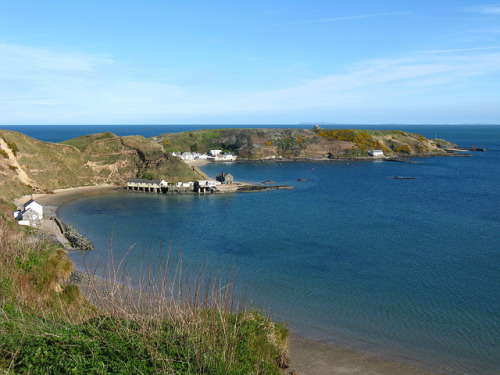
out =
column 76, row 240
column 283, row 360
column 302, row 179
column 78, row 277
column 255, row 188
column 268, row 182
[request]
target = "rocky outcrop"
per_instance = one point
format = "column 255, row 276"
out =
column 77, row 241
column 256, row 188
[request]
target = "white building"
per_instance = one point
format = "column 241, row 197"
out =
column 142, row 184
column 186, row 185
column 31, row 214
column 377, row 153
column 208, row 183
column 187, row 156
column 215, row 153
column 227, row 156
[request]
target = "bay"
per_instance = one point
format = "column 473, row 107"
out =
column 405, row 268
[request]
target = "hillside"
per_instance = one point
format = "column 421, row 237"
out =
column 302, row 143
column 48, row 325
column 28, row 165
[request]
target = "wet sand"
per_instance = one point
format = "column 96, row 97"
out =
column 308, row 357
column 311, row 357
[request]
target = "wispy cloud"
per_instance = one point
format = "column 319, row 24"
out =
column 46, row 86
column 21, row 58
column 492, row 9
column 348, row 18
column 457, row 50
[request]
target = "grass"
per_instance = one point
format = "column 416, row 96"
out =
column 88, row 160
column 199, row 141
column 171, row 323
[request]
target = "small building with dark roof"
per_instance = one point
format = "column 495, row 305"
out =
column 225, row 178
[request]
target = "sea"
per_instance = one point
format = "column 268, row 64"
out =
column 408, row 269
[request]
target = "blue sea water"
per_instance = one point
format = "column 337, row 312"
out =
column 405, row 268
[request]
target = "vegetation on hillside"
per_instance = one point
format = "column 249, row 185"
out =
column 300, row 143
column 173, row 327
column 37, row 166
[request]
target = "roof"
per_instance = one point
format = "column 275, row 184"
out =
column 223, row 174
column 144, row 180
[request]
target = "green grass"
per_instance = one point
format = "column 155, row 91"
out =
column 199, row 141
column 178, row 325
column 109, row 344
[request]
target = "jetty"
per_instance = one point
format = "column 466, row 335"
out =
column 224, row 183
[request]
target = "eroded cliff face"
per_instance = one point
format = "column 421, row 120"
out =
column 301, row 143
column 28, row 165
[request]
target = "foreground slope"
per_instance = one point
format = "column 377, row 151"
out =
column 302, row 143
column 28, row 165
column 47, row 326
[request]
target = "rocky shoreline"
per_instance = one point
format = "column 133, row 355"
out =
column 77, row 240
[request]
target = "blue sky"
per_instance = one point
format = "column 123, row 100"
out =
column 249, row 62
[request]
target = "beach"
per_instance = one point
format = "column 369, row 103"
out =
column 307, row 356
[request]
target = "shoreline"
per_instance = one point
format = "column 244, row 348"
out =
column 308, row 356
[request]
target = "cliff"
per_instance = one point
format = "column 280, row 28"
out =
column 303, row 143
column 28, row 165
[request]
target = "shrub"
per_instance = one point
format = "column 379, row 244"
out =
column 13, row 147
column 404, row 149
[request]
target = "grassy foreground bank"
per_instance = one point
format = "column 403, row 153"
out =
column 171, row 326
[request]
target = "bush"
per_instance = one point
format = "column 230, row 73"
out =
column 13, row 147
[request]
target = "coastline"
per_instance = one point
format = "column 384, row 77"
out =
column 307, row 356
column 52, row 201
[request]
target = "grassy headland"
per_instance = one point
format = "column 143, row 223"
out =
column 28, row 165
column 303, row 143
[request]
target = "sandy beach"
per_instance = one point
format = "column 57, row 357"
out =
column 308, row 357
column 197, row 162
column 51, row 202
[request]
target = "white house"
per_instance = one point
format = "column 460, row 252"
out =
column 30, row 214
column 377, row 153
column 215, row 152
column 227, row 156
column 187, row 156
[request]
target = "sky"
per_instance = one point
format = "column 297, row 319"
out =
column 249, row 62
